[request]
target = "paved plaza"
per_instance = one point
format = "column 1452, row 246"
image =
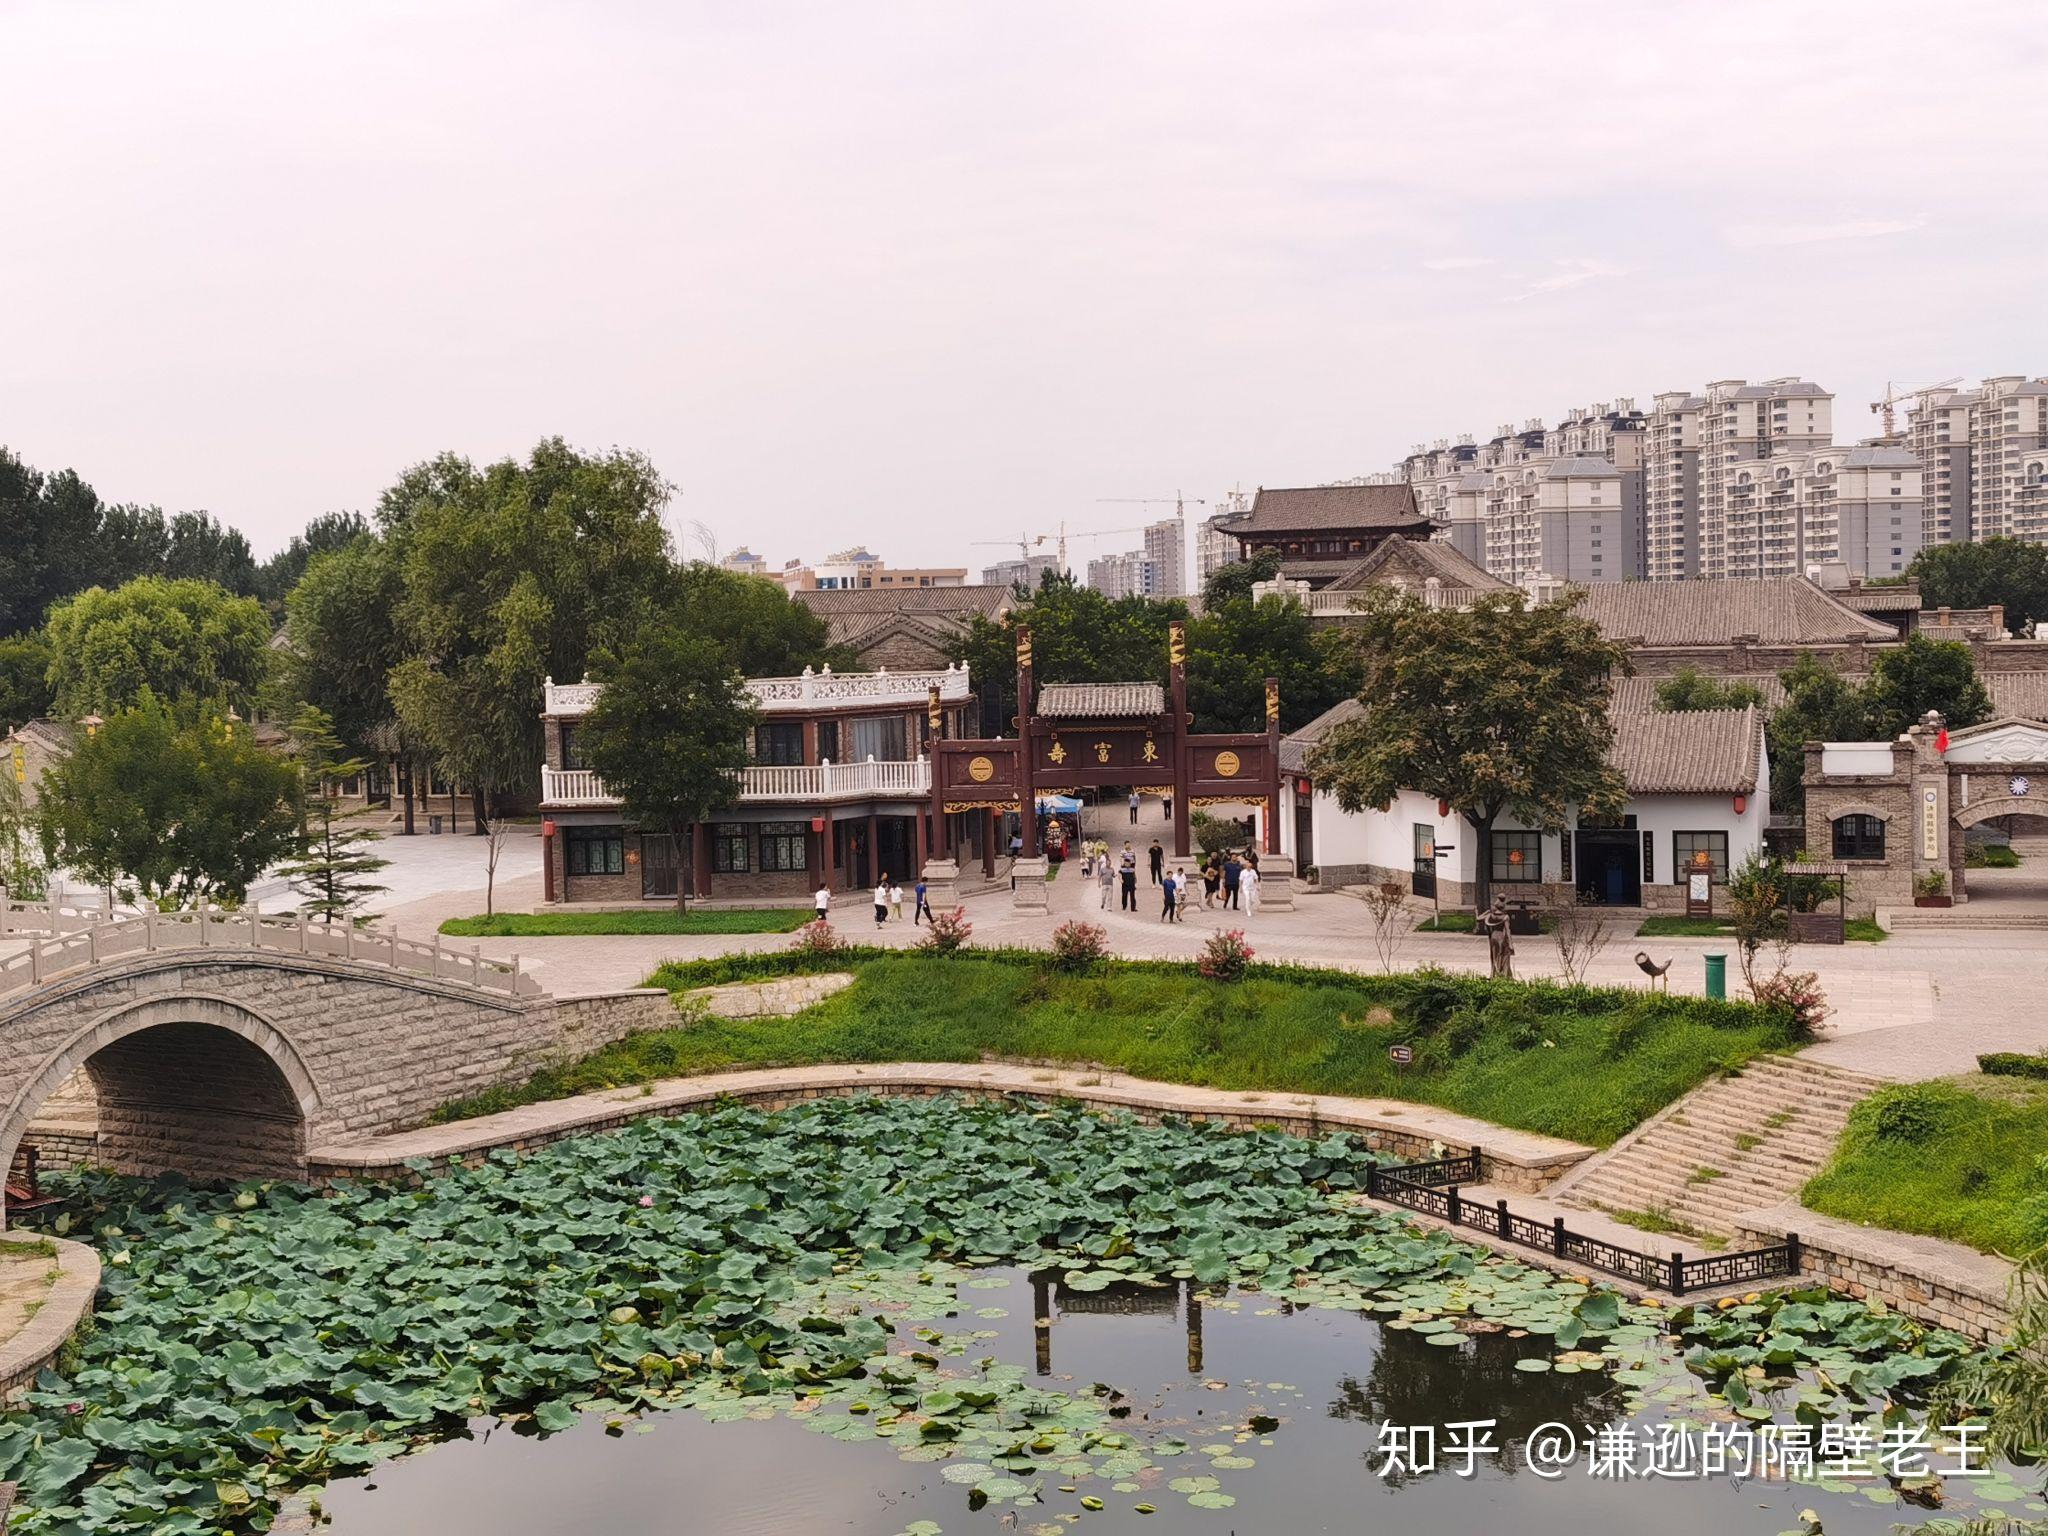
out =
column 1921, row 1004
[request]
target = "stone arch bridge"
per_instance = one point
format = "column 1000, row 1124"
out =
column 222, row 1045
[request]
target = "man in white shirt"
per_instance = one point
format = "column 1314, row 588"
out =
column 823, row 902
column 882, row 902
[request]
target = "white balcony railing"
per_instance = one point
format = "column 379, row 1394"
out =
column 570, row 788
column 810, row 692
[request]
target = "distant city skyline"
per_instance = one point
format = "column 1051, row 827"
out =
column 948, row 275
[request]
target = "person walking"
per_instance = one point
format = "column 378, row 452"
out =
column 1169, row 807
column 1233, row 872
column 1128, row 872
column 1166, row 898
column 1212, row 880
column 822, row 901
column 1105, row 875
column 924, row 907
column 882, row 902
column 1157, row 856
column 1134, row 807
column 896, row 901
column 1248, row 889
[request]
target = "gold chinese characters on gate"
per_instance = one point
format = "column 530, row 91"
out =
column 1227, row 765
column 1151, row 753
column 980, row 769
column 1058, row 753
column 1102, row 751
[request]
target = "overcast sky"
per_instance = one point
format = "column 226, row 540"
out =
column 920, row 275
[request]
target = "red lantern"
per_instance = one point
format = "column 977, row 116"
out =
column 1443, row 807
column 1741, row 804
column 1303, row 787
column 547, row 828
column 817, row 823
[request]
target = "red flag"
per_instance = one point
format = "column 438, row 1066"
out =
column 1941, row 739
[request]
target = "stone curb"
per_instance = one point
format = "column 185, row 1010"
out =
column 45, row 1334
column 1517, row 1160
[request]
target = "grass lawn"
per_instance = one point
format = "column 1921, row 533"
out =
column 541, row 925
column 1447, row 922
column 1858, row 930
column 1961, row 1158
column 1582, row 1063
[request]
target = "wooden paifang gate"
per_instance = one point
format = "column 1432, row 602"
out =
column 1122, row 734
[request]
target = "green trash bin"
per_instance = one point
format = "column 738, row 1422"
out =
column 1717, row 975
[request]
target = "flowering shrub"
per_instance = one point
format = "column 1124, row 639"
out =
column 1225, row 956
column 817, row 938
column 949, row 930
column 1799, row 994
column 1077, row 945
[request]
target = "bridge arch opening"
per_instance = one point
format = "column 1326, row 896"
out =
column 191, row 1085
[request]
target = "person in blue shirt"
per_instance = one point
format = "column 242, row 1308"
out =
column 924, row 908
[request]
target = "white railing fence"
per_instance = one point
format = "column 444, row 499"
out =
column 285, row 933
column 766, row 781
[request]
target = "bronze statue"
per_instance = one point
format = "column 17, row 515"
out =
column 1500, row 944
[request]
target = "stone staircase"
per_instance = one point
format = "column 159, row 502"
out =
column 1729, row 1146
column 1968, row 917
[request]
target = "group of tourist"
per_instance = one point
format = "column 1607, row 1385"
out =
column 888, row 902
column 1227, row 881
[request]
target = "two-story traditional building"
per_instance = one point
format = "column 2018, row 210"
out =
column 838, row 793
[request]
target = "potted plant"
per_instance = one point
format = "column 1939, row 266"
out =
column 1930, row 889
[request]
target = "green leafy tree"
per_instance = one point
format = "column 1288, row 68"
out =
column 1689, row 689
column 200, row 549
column 1237, row 644
column 57, row 538
column 762, row 629
column 1925, row 674
column 342, row 639
column 335, row 861
column 1234, row 582
column 669, row 733
column 181, row 805
column 176, row 639
column 2010, row 572
column 1496, row 709
column 21, row 868
column 1077, row 635
column 1820, row 705
column 24, row 680
column 325, row 534
column 514, row 573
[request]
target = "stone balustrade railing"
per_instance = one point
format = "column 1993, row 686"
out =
column 568, row 788
column 811, row 691
column 65, row 949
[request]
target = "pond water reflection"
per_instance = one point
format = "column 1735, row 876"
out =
column 1209, row 1375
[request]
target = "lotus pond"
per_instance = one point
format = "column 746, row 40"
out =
column 887, row 1315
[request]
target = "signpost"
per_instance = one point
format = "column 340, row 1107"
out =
column 1436, row 893
column 1699, row 887
column 1401, row 1055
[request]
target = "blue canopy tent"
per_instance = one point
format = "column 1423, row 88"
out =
column 1065, row 812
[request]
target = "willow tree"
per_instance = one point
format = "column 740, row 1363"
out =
column 1498, row 709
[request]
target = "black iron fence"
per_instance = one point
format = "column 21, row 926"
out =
column 1433, row 1189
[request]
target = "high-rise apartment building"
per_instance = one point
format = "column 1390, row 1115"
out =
column 2008, row 421
column 1022, row 572
column 2027, row 508
column 1742, row 422
column 1671, row 487
column 1533, row 500
column 1938, row 435
column 1166, row 548
column 1859, row 507
column 1130, row 574
column 1215, row 548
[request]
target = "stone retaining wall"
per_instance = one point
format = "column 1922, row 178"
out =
column 44, row 1336
column 1515, row 1160
column 1925, row 1278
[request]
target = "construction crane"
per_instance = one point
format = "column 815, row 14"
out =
column 1058, row 538
column 1180, row 503
column 1893, row 395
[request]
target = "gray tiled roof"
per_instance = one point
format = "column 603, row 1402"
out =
column 1081, row 701
column 1636, row 695
column 963, row 601
column 1295, row 747
column 1788, row 611
column 1580, row 467
column 1419, row 558
column 1694, row 752
column 2024, row 694
column 1331, row 506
